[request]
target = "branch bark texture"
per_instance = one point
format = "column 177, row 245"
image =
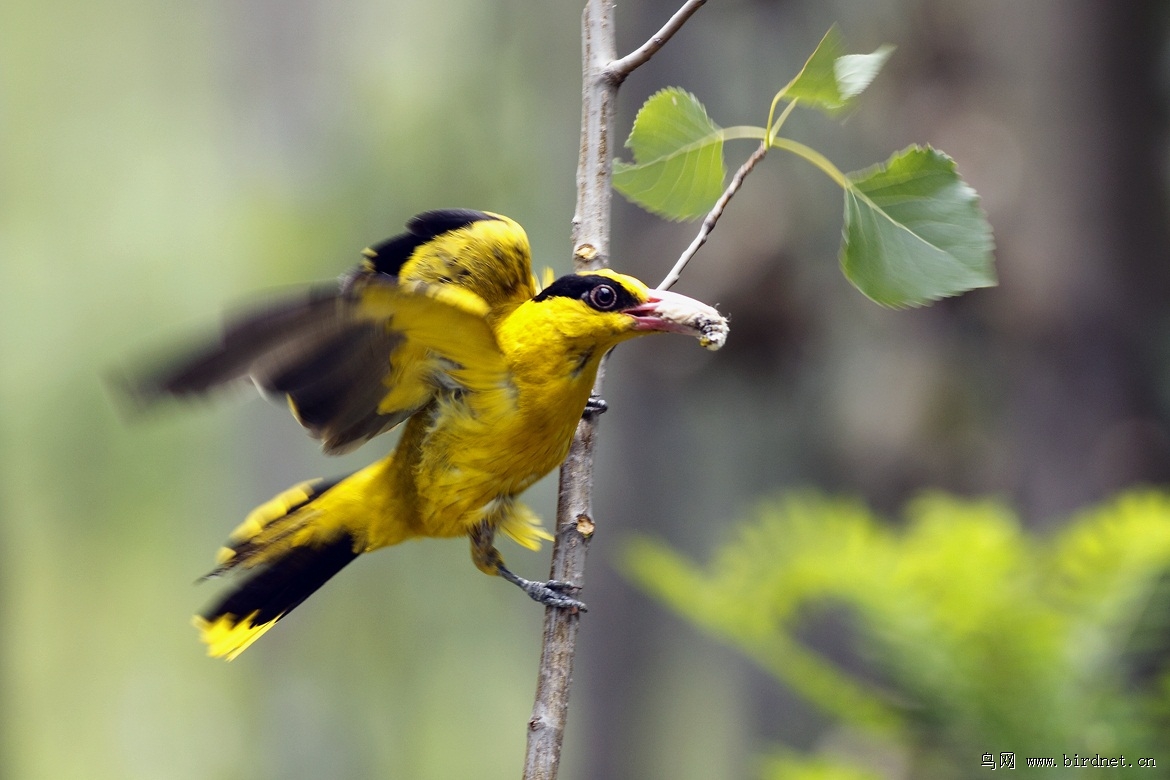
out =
column 590, row 237
column 602, row 73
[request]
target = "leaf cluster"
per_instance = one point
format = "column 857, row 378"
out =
column 914, row 231
column 971, row 634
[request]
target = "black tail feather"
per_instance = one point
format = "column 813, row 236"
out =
column 277, row 588
column 285, row 574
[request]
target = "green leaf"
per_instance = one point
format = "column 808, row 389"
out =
column 914, row 231
column 855, row 72
column 678, row 167
column 831, row 79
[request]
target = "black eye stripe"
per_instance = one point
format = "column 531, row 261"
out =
column 583, row 287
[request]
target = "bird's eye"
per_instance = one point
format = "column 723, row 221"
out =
column 602, row 297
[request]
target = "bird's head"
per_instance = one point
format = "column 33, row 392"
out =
column 605, row 308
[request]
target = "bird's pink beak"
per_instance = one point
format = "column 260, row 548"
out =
column 673, row 313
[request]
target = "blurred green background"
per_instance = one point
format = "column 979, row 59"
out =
column 161, row 160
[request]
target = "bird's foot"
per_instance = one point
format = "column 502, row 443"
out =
column 595, row 406
column 551, row 593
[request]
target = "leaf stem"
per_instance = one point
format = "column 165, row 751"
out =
column 618, row 70
column 713, row 216
column 775, row 128
column 739, row 133
column 816, row 158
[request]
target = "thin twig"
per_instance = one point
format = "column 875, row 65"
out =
column 618, row 70
column 713, row 216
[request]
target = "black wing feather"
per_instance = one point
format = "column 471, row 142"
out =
column 309, row 348
column 389, row 256
column 244, row 338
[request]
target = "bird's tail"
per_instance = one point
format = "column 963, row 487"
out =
column 288, row 553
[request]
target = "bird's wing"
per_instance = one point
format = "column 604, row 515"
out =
column 352, row 363
column 449, row 323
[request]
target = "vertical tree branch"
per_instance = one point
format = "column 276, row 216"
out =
column 574, row 505
column 598, row 98
column 591, row 222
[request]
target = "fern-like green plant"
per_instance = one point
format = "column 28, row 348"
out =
column 975, row 636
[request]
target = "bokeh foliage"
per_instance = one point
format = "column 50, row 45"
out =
column 972, row 634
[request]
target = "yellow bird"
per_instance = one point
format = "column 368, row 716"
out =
column 442, row 327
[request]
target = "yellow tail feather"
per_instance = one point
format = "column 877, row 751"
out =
column 227, row 636
column 287, row 557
